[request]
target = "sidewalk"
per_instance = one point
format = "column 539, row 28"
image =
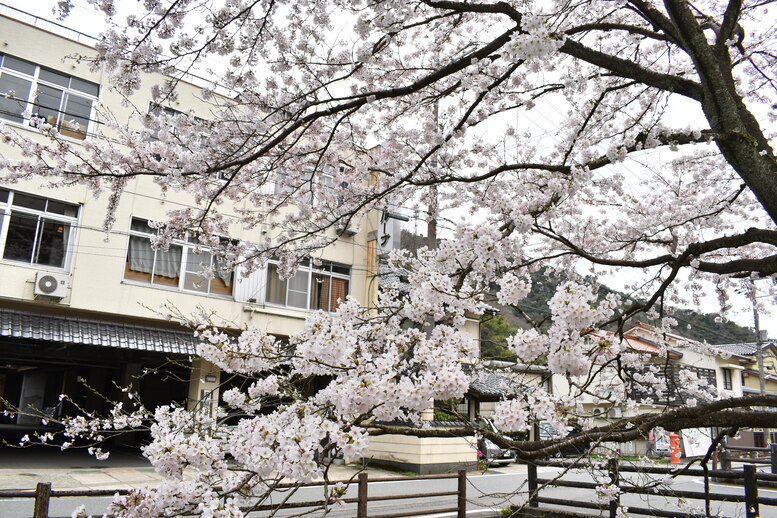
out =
column 76, row 469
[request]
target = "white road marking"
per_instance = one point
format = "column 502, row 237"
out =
column 760, row 489
column 469, row 477
column 492, row 510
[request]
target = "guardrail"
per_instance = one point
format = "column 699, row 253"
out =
column 43, row 494
column 749, row 476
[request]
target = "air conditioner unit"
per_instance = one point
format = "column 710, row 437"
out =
column 341, row 229
column 615, row 413
column 49, row 284
column 598, row 410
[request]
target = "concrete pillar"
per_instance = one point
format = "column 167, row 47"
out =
column 428, row 414
column 204, row 387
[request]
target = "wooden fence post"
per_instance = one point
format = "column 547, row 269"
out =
column 42, row 497
column 751, row 492
column 462, row 498
column 725, row 461
column 612, row 467
column 774, row 458
column 531, row 468
column 361, row 509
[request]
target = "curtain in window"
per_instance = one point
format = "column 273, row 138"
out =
column 168, row 262
column 276, row 288
column 140, row 255
column 339, row 291
column 222, row 271
column 319, row 295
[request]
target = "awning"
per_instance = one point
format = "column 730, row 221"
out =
column 71, row 330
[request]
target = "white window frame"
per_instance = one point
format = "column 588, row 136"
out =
column 308, row 270
column 7, row 209
column 188, row 248
column 35, row 82
column 314, row 180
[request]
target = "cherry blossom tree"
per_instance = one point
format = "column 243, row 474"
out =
column 657, row 161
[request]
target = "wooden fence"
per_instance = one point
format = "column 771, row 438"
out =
column 731, row 454
column 749, row 477
column 43, row 494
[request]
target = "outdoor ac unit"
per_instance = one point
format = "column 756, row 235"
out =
column 341, row 229
column 598, row 410
column 49, row 284
column 615, row 413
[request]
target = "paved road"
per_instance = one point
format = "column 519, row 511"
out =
column 696, row 484
column 487, row 494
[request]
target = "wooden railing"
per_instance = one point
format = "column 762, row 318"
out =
column 749, row 476
column 43, row 494
column 733, row 454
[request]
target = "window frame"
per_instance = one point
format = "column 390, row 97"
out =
column 728, row 378
column 31, row 102
column 309, row 270
column 8, row 209
column 187, row 250
column 312, row 180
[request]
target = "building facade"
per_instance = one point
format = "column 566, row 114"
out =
column 80, row 305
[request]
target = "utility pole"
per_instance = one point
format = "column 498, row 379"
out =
column 759, row 353
column 431, row 222
column 431, row 244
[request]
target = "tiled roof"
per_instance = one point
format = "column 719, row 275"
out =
column 493, row 384
column 103, row 333
column 742, row 349
column 638, row 343
column 393, row 277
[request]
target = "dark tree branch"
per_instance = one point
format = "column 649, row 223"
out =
column 729, row 413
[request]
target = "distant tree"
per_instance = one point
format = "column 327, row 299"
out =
column 494, row 331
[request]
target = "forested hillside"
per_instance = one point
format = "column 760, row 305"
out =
column 496, row 328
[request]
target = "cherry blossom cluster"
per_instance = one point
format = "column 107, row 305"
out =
column 323, row 118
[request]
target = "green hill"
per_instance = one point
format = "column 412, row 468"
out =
column 496, row 328
column 691, row 324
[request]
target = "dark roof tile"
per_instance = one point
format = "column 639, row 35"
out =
column 53, row 328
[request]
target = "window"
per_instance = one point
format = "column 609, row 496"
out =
column 674, row 392
column 727, row 380
column 308, row 182
column 180, row 266
column 64, row 101
column 286, row 184
column 36, row 230
column 158, row 110
column 311, row 287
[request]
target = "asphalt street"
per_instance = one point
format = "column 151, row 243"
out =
column 487, row 493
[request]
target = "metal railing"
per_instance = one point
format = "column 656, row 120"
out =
column 43, row 494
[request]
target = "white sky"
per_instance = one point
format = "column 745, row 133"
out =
column 541, row 120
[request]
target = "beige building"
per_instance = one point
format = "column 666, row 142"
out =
column 720, row 366
column 742, row 370
column 77, row 302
